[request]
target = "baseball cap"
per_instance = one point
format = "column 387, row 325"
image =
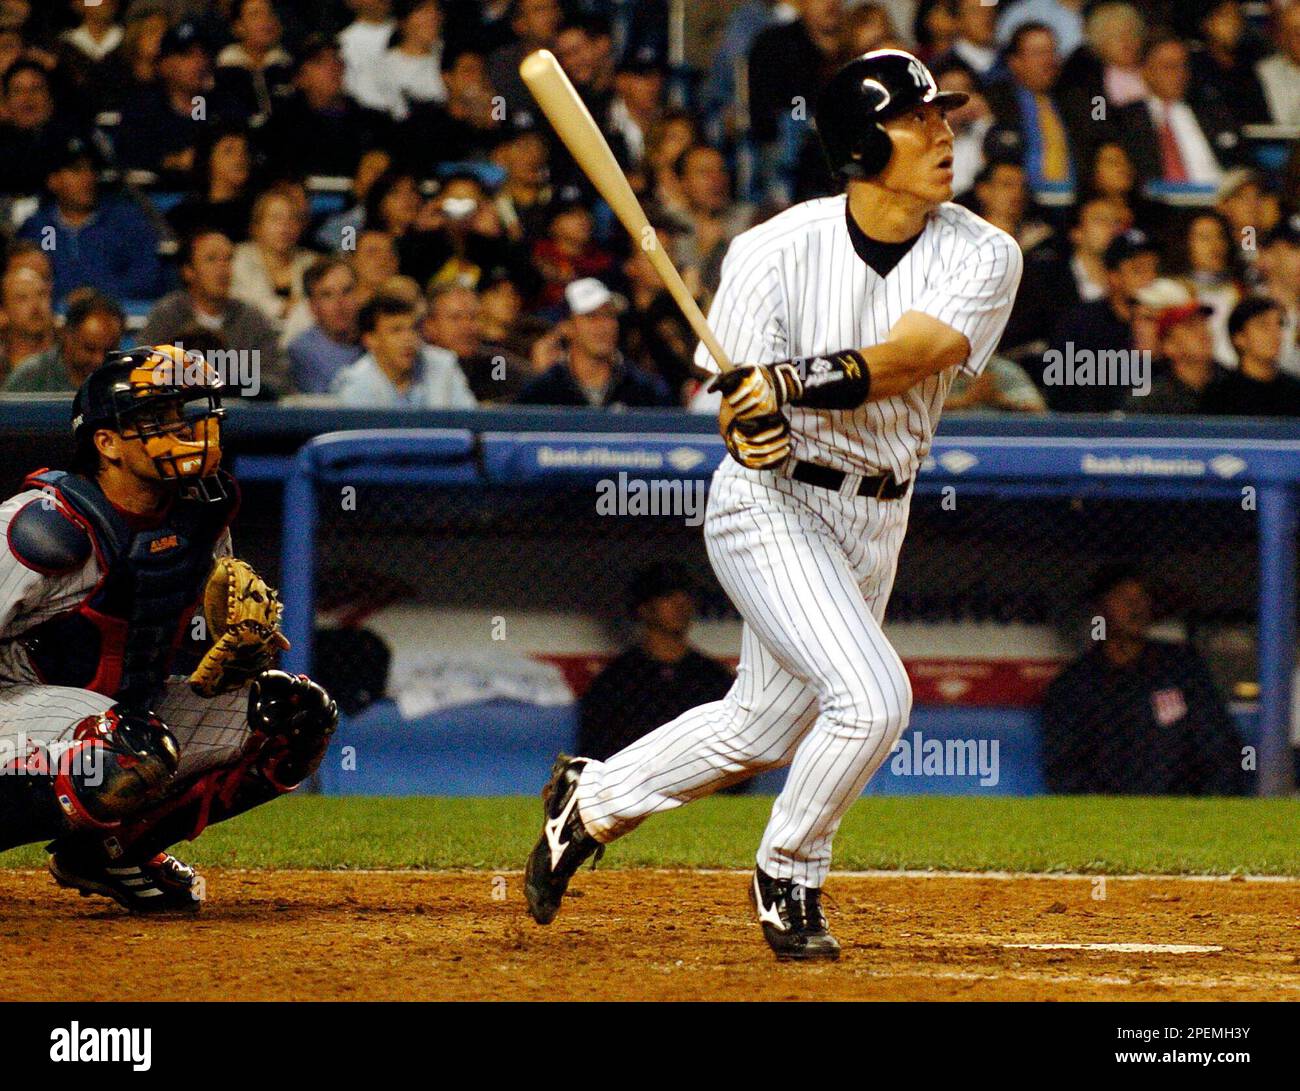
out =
column 643, row 60
column 1128, row 245
column 182, row 39
column 67, row 152
column 1247, row 309
column 588, row 295
column 1168, row 318
column 1164, row 292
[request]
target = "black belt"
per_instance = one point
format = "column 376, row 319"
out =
column 882, row 487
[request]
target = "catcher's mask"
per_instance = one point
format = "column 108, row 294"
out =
column 165, row 398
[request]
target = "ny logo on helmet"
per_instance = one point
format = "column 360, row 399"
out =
column 919, row 75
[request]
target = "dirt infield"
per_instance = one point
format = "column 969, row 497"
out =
column 652, row 935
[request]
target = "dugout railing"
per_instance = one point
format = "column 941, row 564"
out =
column 1004, row 529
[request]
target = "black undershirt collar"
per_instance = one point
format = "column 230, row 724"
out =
column 881, row 257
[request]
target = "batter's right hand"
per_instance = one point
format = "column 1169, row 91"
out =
column 761, row 443
column 758, row 390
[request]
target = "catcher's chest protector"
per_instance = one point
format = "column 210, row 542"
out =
column 120, row 640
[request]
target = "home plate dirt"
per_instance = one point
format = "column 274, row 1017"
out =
column 296, row 935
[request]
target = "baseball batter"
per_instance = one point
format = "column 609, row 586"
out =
column 102, row 751
column 852, row 315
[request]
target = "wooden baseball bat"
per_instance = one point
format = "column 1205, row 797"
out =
column 569, row 116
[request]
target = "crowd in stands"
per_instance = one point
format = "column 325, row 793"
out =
column 363, row 193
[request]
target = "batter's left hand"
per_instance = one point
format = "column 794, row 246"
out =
column 758, row 390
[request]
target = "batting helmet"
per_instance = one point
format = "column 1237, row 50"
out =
column 866, row 92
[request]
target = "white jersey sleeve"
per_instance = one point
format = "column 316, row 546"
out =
column 976, row 296
column 748, row 312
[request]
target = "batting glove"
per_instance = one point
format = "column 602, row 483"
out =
column 758, row 390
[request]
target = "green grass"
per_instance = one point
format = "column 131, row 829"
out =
column 1084, row 834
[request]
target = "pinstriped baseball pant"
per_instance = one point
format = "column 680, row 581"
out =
column 819, row 687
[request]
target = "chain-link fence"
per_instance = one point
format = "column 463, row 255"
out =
column 1018, row 579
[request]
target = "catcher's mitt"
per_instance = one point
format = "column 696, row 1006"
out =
column 244, row 617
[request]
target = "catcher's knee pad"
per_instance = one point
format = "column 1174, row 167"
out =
column 118, row 763
column 297, row 717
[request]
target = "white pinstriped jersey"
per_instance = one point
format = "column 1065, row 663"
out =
column 28, row 597
column 794, row 288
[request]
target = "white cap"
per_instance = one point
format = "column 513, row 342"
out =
column 588, row 295
column 1164, row 292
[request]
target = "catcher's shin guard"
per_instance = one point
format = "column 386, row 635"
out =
column 291, row 719
column 118, row 763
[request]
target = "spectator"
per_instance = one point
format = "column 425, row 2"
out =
column 223, row 198
column 502, row 319
column 332, row 342
column 1207, row 260
column 1280, row 72
column 339, row 231
column 1002, row 387
column 1064, row 18
column 593, row 372
column 868, row 27
column 453, row 330
column 1169, row 140
column 1257, row 387
column 638, row 104
column 1104, row 325
column 375, row 262
column 534, row 24
column 26, row 316
column 410, row 70
column 975, row 45
column 667, row 140
column 522, row 200
column 164, row 123
column 1049, row 120
column 1109, row 63
column 92, row 329
column 362, row 45
column 934, row 29
column 206, row 265
column 25, row 254
column 1225, row 68
column 254, row 73
column 30, row 133
column 1240, row 201
column 1279, row 268
column 462, row 128
column 460, row 238
column 1001, row 196
column 657, row 337
column 656, row 679
column 98, row 33
column 970, row 125
column 133, row 66
column 792, row 62
column 1060, row 279
column 1135, row 716
column 709, row 220
column 268, row 269
column 568, row 253
column 105, row 242
column 1186, row 372
column 720, row 95
column 321, row 129
column 397, row 371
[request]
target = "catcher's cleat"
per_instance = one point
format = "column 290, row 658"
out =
column 564, row 845
column 161, row 884
column 792, row 919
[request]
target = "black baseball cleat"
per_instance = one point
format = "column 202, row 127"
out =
column 161, row 884
column 564, row 845
column 792, row 919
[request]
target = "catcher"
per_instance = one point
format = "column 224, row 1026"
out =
column 102, row 750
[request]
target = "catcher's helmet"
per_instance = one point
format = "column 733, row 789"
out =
column 868, row 90
column 168, row 399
